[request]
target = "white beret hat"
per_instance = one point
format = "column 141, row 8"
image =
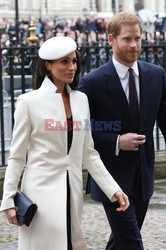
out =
column 57, row 47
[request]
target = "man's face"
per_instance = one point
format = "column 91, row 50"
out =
column 127, row 45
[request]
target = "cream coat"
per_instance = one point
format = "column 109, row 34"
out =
column 44, row 179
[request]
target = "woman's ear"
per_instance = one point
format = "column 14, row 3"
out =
column 47, row 64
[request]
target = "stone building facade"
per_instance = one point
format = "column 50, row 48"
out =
column 75, row 8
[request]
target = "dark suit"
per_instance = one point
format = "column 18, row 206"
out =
column 134, row 171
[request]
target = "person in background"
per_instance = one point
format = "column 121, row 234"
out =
column 51, row 138
column 126, row 96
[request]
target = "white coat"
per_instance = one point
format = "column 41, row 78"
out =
column 44, row 179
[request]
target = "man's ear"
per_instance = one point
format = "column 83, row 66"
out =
column 111, row 39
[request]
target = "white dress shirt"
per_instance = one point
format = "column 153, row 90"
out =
column 123, row 74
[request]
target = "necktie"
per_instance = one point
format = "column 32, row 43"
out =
column 133, row 100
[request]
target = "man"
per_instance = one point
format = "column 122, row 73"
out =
column 122, row 125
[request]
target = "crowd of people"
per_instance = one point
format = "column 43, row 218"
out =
column 69, row 26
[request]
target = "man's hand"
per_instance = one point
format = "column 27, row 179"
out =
column 122, row 200
column 131, row 141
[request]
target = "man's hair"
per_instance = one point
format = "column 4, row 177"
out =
column 116, row 21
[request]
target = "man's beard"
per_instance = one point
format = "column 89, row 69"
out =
column 128, row 55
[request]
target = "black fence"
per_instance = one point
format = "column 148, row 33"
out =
column 17, row 73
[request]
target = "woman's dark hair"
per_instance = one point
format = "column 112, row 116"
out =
column 41, row 72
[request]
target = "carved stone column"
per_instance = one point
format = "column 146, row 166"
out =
column 128, row 5
column 161, row 5
column 151, row 5
column 108, row 6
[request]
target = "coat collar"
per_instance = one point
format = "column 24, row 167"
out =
column 122, row 70
column 49, row 87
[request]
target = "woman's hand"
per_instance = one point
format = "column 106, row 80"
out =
column 11, row 216
column 123, row 200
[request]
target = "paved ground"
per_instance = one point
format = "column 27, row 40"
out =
column 96, row 229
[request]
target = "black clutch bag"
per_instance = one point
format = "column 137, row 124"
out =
column 26, row 208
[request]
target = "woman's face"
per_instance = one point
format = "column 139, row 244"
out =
column 63, row 70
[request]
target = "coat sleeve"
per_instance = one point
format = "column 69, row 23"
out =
column 161, row 117
column 103, row 141
column 96, row 168
column 18, row 153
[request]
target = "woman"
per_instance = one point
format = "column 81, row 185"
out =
column 50, row 129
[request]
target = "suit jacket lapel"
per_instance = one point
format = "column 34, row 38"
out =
column 117, row 92
column 145, row 80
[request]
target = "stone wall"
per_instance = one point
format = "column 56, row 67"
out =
column 160, row 170
column 48, row 9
